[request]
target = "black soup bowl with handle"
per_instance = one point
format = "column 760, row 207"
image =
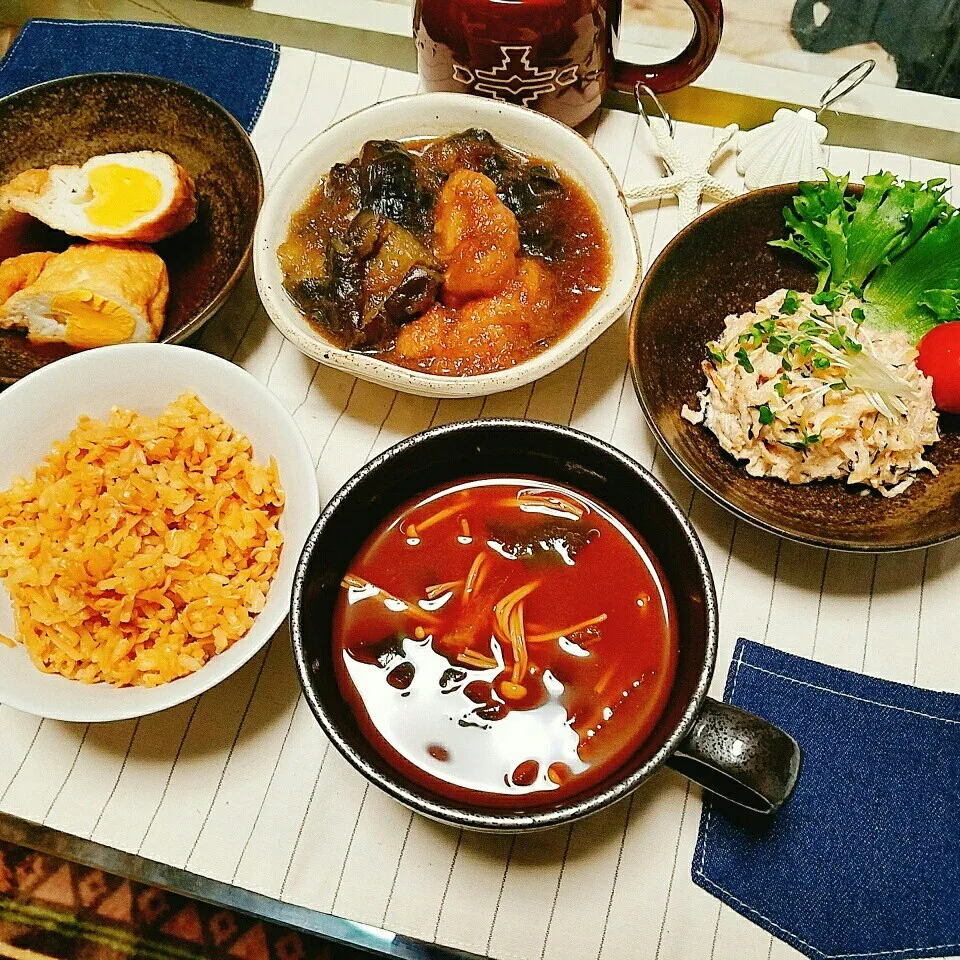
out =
column 730, row 752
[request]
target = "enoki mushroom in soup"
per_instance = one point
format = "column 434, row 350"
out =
column 505, row 637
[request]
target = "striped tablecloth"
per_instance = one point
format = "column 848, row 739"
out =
column 241, row 786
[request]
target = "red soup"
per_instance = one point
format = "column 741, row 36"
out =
column 505, row 640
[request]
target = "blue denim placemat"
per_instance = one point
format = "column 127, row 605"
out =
column 864, row 859
column 235, row 72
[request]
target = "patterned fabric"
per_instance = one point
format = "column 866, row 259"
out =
column 64, row 911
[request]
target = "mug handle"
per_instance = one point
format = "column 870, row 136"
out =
column 740, row 757
column 687, row 65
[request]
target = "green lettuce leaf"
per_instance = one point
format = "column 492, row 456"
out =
column 944, row 303
column 897, row 247
column 889, row 219
column 873, row 229
column 818, row 227
column 921, row 288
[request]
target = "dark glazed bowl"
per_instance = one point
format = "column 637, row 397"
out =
column 722, row 264
column 507, row 447
column 70, row 120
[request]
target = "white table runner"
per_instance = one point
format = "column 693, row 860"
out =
column 241, row 786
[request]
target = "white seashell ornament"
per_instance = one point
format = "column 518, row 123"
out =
column 787, row 149
column 791, row 146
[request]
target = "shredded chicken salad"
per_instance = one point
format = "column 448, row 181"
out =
column 802, row 391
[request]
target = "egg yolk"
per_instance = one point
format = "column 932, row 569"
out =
column 92, row 320
column 121, row 195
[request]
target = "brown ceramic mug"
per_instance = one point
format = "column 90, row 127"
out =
column 557, row 56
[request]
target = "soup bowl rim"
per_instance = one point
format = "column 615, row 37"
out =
column 496, row 819
column 273, row 224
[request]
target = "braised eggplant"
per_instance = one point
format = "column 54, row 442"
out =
column 377, row 276
column 398, row 185
column 365, row 262
column 387, row 179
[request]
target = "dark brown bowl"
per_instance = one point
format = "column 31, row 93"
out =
column 73, row 119
column 722, row 264
column 514, row 448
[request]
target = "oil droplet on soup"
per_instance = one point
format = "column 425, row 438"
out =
column 505, row 638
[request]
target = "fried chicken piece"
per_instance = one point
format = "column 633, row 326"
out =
column 488, row 333
column 476, row 236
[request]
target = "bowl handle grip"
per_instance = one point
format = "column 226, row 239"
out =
column 740, row 757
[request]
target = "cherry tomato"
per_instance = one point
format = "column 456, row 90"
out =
column 940, row 358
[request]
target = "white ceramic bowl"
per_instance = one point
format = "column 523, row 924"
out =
column 44, row 406
column 437, row 115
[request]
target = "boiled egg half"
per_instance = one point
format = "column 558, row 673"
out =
column 143, row 196
column 91, row 295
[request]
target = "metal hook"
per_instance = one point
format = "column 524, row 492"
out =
column 854, row 77
column 643, row 88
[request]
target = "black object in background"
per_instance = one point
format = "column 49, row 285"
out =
column 923, row 36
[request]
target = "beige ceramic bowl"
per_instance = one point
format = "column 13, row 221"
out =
column 436, row 115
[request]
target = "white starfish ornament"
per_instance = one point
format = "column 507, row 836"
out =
column 688, row 177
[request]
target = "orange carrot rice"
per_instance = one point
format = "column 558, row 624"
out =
column 141, row 547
